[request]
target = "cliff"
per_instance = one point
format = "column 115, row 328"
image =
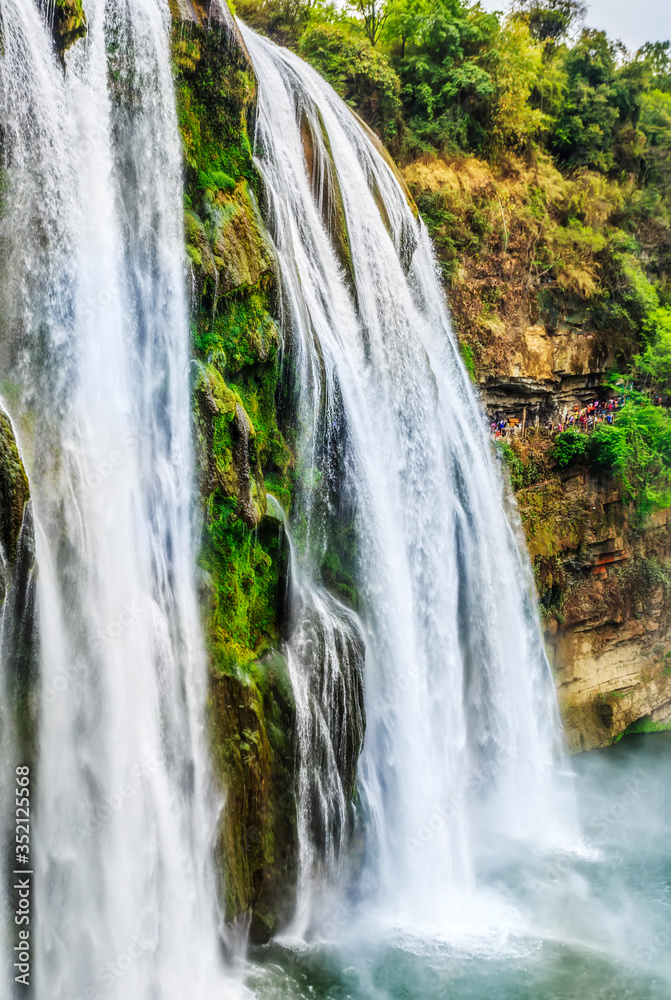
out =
column 241, row 453
column 17, row 597
column 604, row 584
column 530, row 258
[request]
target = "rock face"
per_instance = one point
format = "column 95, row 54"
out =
column 522, row 288
column 530, row 296
column 610, row 641
column 69, row 24
column 604, row 581
column 241, row 452
column 18, row 593
column 546, row 374
column 204, row 13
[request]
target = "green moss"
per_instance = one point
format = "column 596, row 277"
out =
column 244, row 570
column 215, row 90
column 14, row 491
column 645, row 725
column 236, row 341
column 252, row 719
column 468, row 357
column 18, row 595
column 241, row 452
column 69, row 23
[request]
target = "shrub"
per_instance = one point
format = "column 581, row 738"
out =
column 570, row 448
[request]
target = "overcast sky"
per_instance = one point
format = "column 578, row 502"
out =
column 632, row 21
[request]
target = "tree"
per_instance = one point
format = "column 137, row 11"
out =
column 359, row 73
column 374, row 14
column 655, row 124
column 514, row 62
column 446, row 88
column 551, row 21
column 284, row 20
column 405, row 21
column 658, row 57
column 597, row 126
column 654, row 364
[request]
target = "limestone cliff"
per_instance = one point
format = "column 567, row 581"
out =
column 605, row 585
column 530, row 258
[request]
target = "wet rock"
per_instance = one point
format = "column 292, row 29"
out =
column 69, row 24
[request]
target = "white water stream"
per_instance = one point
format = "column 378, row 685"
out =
column 95, row 359
column 461, row 748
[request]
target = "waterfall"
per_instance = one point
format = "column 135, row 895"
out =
column 399, row 512
column 94, row 362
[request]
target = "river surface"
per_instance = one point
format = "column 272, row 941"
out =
column 593, row 924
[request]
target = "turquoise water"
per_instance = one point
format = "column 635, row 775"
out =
column 594, row 922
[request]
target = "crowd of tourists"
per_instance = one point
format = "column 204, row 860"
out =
column 583, row 419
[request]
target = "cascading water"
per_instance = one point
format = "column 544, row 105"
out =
column 95, row 373
column 442, row 830
column 461, row 742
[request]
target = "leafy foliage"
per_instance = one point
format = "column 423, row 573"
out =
column 636, row 448
column 570, row 448
column 654, row 364
column 552, row 21
column 357, row 72
column 572, row 179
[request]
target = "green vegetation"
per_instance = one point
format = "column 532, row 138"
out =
column 636, row 448
column 360, row 74
column 524, row 470
column 537, row 150
column 241, row 452
column 645, row 725
column 468, row 357
column 69, row 23
column 570, row 448
column 473, row 81
column 236, row 344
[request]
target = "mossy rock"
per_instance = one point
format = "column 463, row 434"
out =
column 204, row 14
column 18, row 594
column 252, row 723
column 239, row 447
column 14, row 490
column 242, row 254
column 69, row 24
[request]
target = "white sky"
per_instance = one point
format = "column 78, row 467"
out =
column 632, row 21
